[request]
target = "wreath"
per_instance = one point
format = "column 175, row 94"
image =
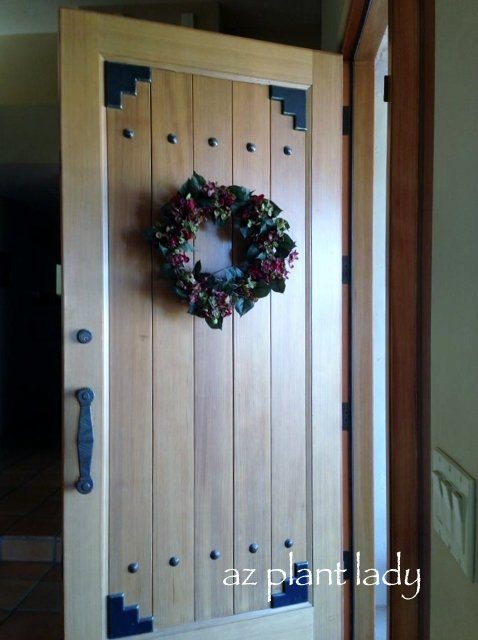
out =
column 269, row 250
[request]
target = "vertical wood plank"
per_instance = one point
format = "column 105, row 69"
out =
column 362, row 332
column 326, row 135
column 408, row 25
column 252, row 433
column 84, row 241
column 288, row 352
column 213, row 369
column 129, row 182
column 173, row 350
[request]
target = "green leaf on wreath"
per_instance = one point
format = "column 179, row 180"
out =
column 232, row 273
column 285, row 246
column 201, row 181
column 275, row 210
column 180, row 293
column 262, row 289
column 252, row 252
column 243, row 305
column 241, row 193
column 245, row 231
column 214, row 323
column 197, row 269
column 183, row 189
column 278, row 286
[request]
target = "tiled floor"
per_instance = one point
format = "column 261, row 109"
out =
column 30, row 547
column 30, row 601
column 30, row 507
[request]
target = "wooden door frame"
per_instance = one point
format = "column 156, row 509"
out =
column 86, row 40
column 411, row 38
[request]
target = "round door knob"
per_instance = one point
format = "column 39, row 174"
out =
column 174, row 561
column 254, row 547
column 84, row 336
column 251, row 147
column 213, row 142
column 133, row 567
column 288, row 150
column 289, row 543
column 172, row 138
column 215, row 554
column 128, row 133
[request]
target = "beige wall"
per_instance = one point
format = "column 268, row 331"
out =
column 29, row 113
column 454, row 611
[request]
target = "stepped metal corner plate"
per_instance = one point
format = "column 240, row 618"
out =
column 125, row 621
column 293, row 103
column 122, row 79
column 292, row 593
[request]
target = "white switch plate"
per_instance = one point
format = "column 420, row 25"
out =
column 453, row 496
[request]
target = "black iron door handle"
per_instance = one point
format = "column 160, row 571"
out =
column 85, row 440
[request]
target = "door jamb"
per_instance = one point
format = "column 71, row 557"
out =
column 411, row 37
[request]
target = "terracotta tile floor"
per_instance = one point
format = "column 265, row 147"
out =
column 30, row 527
column 30, row 498
column 30, row 601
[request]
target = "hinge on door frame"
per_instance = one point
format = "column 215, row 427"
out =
column 122, row 78
column 346, row 120
column 346, row 416
column 346, row 270
column 347, row 563
column 386, row 88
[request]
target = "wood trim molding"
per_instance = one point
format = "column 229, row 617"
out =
column 362, row 343
column 353, row 27
column 411, row 149
column 326, row 333
column 373, row 31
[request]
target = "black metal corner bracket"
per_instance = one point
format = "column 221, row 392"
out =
column 122, row 78
column 292, row 593
column 293, row 104
column 125, row 621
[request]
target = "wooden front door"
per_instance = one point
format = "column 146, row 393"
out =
column 213, row 450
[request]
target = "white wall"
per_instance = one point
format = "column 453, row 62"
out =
column 454, row 603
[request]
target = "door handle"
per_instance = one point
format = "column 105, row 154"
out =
column 85, row 440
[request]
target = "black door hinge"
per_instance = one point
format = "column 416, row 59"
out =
column 347, row 563
column 386, row 88
column 346, row 416
column 346, row 120
column 346, row 270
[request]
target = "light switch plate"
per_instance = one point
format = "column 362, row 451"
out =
column 453, row 497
